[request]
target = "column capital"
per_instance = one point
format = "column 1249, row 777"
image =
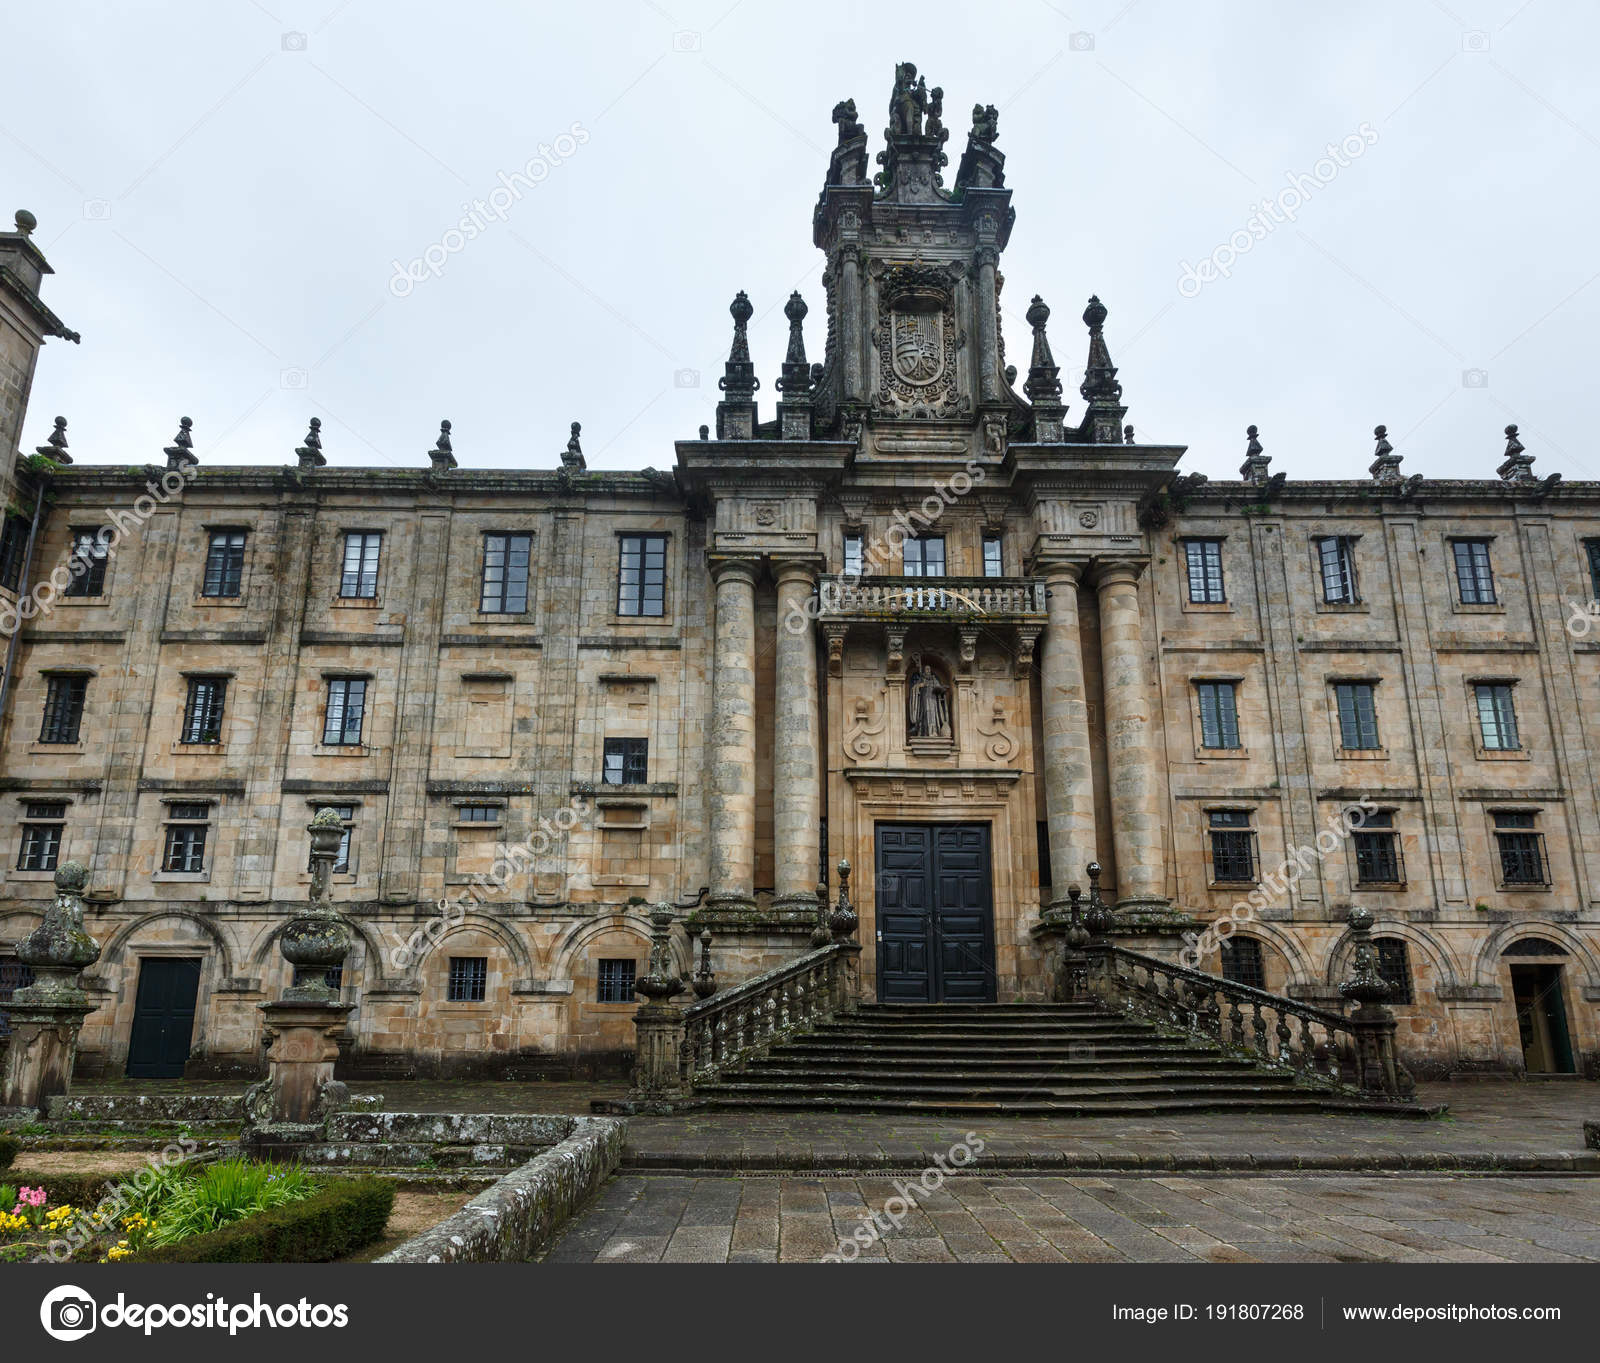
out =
column 724, row 565
column 1111, row 572
column 797, row 568
column 1054, row 569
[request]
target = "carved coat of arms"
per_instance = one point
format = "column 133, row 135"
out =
column 916, row 337
column 918, row 345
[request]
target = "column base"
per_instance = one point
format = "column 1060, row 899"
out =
column 732, row 914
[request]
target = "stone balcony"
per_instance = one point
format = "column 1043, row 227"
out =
column 964, row 604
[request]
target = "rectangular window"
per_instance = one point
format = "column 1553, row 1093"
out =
column 993, row 564
column 642, row 575
column 1204, row 560
column 1497, row 717
column 63, row 709
column 187, row 826
column 1233, row 847
column 224, row 575
column 347, row 816
column 13, row 549
column 202, row 714
column 1474, row 576
column 1336, row 557
column 505, row 574
column 14, row 975
column 359, row 578
column 87, row 564
column 1394, row 968
column 469, row 979
column 1358, row 715
column 1219, row 715
column 616, row 981
column 478, row 813
column 1522, row 859
column 924, row 557
column 1592, row 552
column 43, row 824
column 852, row 555
column 347, row 706
column 627, row 762
column 333, row 976
column 1042, row 847
column 1377, row 849
column 1242, row 962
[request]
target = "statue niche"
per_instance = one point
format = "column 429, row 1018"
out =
column 927, row 702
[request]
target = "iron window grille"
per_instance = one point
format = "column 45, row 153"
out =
column 469, row 979
column 44, row 822
column 13, row 549
column 87, row 564
column 1204, row 562
column 1522, row 856
column 1219, row 715
column 187, row 827
column 1497, row 717
column 1042, row 845
column 993, row 562
column 924, row 557
column 1378, row 857
column 627, row 762
column 224, row 574
column 359, row 579
column 63, row 709
column 505, row 574
column 1233, row 848
column 14, row 975
column 642, row 575
column 1592, row 552
column 1394, row 967
column 347, row 704
column 1337, row 560
column 1474, row 574
column 202, row 713
column 341, row 861
column 333, row 976
column 853, row 565
column 478, row 813
column 614, row 982
column 1242, row 962
column 1357, row 703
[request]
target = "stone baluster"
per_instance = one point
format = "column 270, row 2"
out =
column 658, row 1023
column 1378, row 1069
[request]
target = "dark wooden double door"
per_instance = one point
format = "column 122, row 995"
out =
column 935, row 913
column 163, row 1017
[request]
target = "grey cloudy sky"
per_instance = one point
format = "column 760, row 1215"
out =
column 224, row 189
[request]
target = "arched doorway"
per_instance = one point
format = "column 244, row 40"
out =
column 1538, row 969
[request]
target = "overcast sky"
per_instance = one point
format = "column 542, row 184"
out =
column 224, row 189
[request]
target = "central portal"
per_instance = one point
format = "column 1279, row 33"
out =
column 935, row 914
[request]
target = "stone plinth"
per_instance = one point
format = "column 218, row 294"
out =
column 44, row 1046
column 299, row 1089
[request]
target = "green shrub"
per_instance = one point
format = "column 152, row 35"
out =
column 76, row 1190
column 329, row 1225
column 225, row 1192
column 9, row 1145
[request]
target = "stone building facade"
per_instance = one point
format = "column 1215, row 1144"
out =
column 918, row 617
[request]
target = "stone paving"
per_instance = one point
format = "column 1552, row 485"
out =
column 1031, row 1219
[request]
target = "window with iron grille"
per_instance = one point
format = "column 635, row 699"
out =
column 224, row 575
column 1474, row 575
column 478, row 813
column 1522, row 859
column 615, row 981
column 1233, row 847
column 505, row 574
column 359, row 578
column 87, row 564
column 627, row 762
column 1357, row 703
column 347, row 816
column 1242, row 962
column 14, row 975
column 1592, row 553
column 1336, row 557
column 202, row 713
column 469, row 979
column 333, row 976
column 852, row 556
column 43, row 823
column 1394, row 967
column 642, row 575
column 993, row 565
column 924, row 557
column 347, row 705
column 1219, row 714
column 1204, row 562
column 1042, row 843
column 63, row 709
column 187, row 826
column 1377, row 848
column 1497, row 717
column 13, row 549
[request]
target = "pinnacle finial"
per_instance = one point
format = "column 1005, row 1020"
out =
column 1100, row 388
column 572, row 456
column 795, row 381
column 441, row 458
column 1518, row 464
column 1044, row 375
column 443, row 442
column 1385, row 466
column 1255, row 466
column 55, row 445
column 181, row 451
column 310, row 454
column 26, row 222
column 736, row 412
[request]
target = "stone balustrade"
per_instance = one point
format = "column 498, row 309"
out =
column 848, row 596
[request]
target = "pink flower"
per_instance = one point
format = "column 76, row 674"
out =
column 31, row 1197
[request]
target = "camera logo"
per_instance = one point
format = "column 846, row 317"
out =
column 1474, row 40
column 67, row 1312
column 1081, row 42
column 97, row 210
column 1474, row 378
column 685, row 378
column 294, row 42
column 685, row 41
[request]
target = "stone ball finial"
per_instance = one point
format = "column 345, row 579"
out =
column 1380, row 432
column 72, row 877
column 1038, row 312
column 327, row 817
column 1094, row 316
column 741, row 308
column 795, row 309
column 705, row 433
column 26, row 222
column 1092, row 870
column 1360, row 919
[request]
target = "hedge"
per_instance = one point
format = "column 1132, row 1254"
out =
column 9, row 1145
column 335, row 1222
column 83, row 1191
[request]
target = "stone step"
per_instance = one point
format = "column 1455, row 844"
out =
column 1288, row 1099
column 956, row 1051
column 868, row 1062
column 985, row 1036
column 820, row 1077
column 1100, row 1087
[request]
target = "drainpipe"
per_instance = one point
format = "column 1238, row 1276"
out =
column 22, row 586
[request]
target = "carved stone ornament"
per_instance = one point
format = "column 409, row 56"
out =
column 1001, row 747
column 927, row 702
column 860, row 742
column 916, row 336
column 766, row 515
column 1089, row 519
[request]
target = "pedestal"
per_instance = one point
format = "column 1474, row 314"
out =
column 658, row 1059
column 299, row 1090
column 44, row 1045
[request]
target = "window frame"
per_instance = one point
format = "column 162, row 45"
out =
column 343, row 740
column 93, row 553
column 618, row 987
column 503, row 585
column 13, row 550
column 186, row 834
column 74, row 688
column 370, row 541
column 1402, row 987
column 1244, row 830
column 1481, row 571
column 1530, row 847
column 998, row 559
column 853, row 560
column 1357, row 688
column 341, row 861
column 1344, row 562
column 467, row 979
column 193, row 731
column 634, row 598
column 1228, row 960
column 919, row 568
column 1224, row 715
column 1375, row 845
column 1502, row 719
column 224, row 569
column 632, row 758
column 1205, row 544
column 36, row 825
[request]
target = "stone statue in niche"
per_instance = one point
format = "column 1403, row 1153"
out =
column 927, row 702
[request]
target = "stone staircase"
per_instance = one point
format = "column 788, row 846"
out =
column 1070, row 1059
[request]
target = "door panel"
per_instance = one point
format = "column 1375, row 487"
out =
column 163, row 1017
column 903, row 905
column 935, row 913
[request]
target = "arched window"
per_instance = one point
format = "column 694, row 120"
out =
column 1241, row 962
column 1394, row 964
column 1533, row 946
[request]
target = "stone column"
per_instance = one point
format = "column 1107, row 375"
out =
column 797, row 787
column 850, row 315
column 988, row 334
column 1135, row 816
column 1068, row 773
column 733, row 737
